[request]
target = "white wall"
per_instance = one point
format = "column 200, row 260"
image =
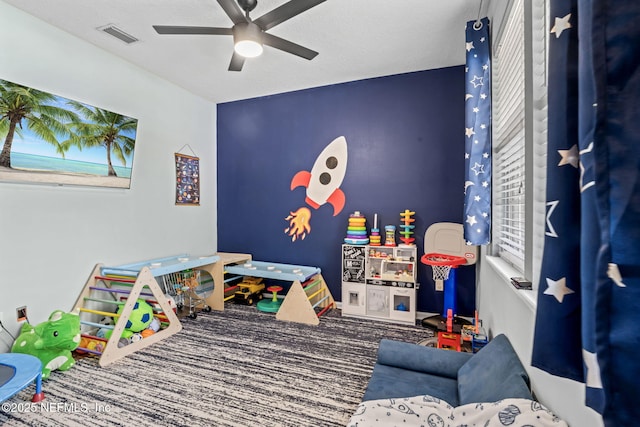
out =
column 51, row 237
column 507, row 311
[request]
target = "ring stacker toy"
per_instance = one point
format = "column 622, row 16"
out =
column 445, row 250
column 374, row 238
column 357, row 230
column 272, row 305
column 406, row 228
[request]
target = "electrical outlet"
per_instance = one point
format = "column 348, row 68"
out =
column 21, row 313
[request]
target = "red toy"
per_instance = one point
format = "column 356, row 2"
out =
column 450, row 339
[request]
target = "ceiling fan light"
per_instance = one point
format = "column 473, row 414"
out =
column 247, row 39
column 248, row 48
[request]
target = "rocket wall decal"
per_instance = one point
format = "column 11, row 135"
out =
column 324, row 180
column 323, row 185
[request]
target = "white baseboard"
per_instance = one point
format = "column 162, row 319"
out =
column 419, row 315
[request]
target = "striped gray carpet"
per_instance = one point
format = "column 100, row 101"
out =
column 239, row 367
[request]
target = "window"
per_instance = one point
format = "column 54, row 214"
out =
column 519, row 137
column 509, row 140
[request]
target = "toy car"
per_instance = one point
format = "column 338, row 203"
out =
column 250, row 290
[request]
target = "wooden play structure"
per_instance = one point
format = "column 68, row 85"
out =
column 97, row 301
column 107, row 301
column 308, row 297
column 306, row 302
column 230, row 281
column 171, row 269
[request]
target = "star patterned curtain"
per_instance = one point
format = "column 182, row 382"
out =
column 589, row 291
column 477, row 183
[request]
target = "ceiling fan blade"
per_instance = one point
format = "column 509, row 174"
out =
column 173, row 29
column 237, row 61
column 284, row 12
column 232, row 10
column 287, row 46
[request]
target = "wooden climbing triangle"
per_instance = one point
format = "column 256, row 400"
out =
column 104, row 297
column 306, row 302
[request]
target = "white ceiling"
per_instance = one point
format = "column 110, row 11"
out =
column 356, row 39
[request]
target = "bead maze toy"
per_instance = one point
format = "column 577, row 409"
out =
column 110, row 301
column 308, row 297
column 474, row 336
column 406, row 228
column 357, row 230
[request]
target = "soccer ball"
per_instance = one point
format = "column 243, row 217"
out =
column 140, row 317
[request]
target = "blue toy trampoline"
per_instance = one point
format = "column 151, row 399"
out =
column 17, row 372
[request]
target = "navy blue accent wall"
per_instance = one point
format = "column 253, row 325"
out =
column 405, row 136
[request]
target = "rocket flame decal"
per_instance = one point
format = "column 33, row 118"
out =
column 322, row 184
column 298, row 224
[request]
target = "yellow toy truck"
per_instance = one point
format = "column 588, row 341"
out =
column 250, row 290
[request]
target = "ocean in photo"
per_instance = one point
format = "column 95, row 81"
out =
column 43, row 163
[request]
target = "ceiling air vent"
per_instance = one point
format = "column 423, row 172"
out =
column 118, row 33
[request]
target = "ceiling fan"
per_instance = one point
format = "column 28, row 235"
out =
column 249, row 35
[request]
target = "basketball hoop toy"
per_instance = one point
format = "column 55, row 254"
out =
column 443, row 267
column 445, row 249
column 442, row 264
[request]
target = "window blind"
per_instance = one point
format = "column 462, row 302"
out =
column 509, row 140
column 539, row 31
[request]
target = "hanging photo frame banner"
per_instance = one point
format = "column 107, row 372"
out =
column 187, row 180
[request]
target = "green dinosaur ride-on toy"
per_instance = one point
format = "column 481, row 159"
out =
column 51, row 341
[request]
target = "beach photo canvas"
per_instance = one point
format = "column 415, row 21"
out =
column 48, row 139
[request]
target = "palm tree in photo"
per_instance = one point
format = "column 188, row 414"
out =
column 102, row 128
column 20, row 106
